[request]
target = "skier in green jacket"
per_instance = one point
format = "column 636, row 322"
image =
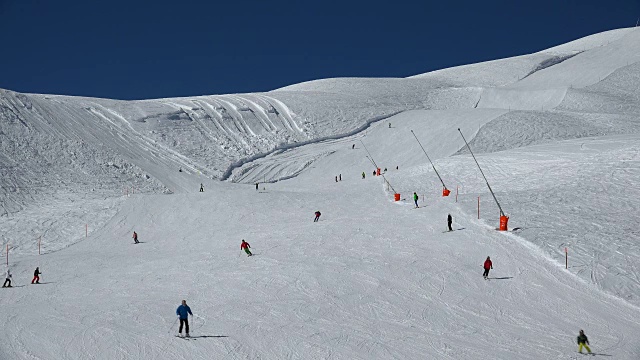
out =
column 415, row 199
column 583, row 341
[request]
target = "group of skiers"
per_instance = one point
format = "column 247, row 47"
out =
column 9, row 278
column 243, row 246
column 183, row 311
column 376, row 171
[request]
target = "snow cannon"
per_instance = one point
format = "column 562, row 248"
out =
column 503, row 222
column 396, row 197
column 445, row 192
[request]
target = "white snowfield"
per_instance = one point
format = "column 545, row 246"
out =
column 556, row 132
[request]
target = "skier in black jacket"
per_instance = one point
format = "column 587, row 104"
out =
column 583, row 341
column 36, row 276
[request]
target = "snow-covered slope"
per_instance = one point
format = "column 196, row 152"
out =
column 557, row 133
column 508, row 71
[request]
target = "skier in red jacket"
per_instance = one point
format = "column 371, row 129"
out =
column 245, row 246
column 317, row 218
column 488, row 265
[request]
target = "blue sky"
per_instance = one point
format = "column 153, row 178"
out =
column 149, row 49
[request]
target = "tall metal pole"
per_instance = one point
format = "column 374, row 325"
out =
column 433, row 166
column 481, row 172
column 376, row 165
column 371, row 157
column 373, row 162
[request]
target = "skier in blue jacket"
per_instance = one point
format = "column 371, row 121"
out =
column 183, row 313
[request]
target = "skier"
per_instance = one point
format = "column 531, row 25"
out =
column 583, row 341
column 135, row 238
column 385, row 169
column 415, row 199
column 317, row 216
column 449, row 220
column 36, row 276
column 201, row 188
column 340, row 177
column 389, row 125
column 363, row 174
column 245, row 246
column 7, row 279
column 487, row 266
column 396, row 168
column 336, row 179
column 183, row 313
column 374, row 173
column 353, row 146
column 256, row 186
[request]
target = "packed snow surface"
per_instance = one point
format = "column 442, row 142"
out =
column 556, row 133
